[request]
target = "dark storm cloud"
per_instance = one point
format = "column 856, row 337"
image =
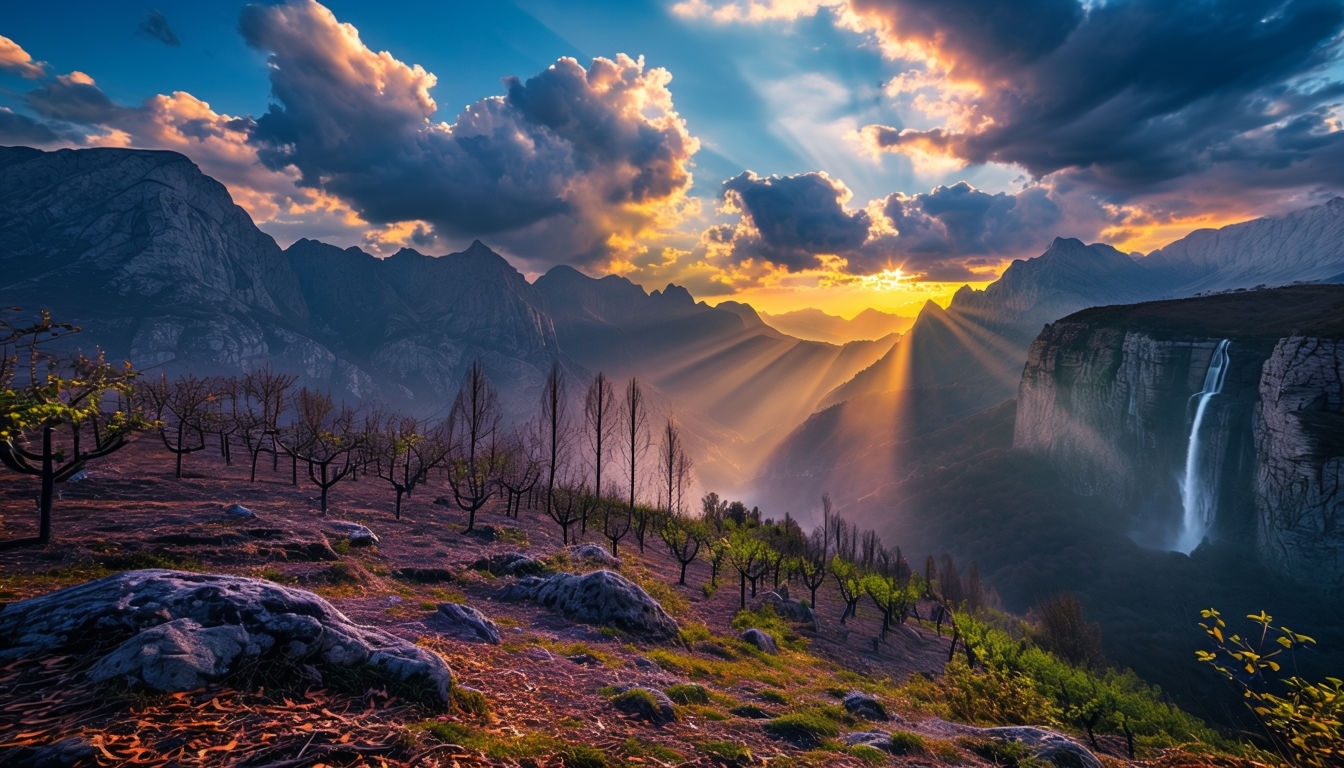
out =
column 795, row 217
column 1134, row 94
column 21, row 129
column 156, row 26
column 73, row 98
column 572, row 151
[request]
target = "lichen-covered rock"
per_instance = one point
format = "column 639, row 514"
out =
column 761, row 639
column 358, row 535
column 594, row 554
column 510, row 564
column 465, row 623
column 863, row 705
column 173, row 630
column 793, row 610
column 1299, row 441
column 648, row 704
column 1042, row 744
column 601, row 598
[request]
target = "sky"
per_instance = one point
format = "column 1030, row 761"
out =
column 838, row 154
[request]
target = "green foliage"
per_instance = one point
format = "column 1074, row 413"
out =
column 469, row 701
column 1010, row 754
column 1307, row 718
column 725, row 753
column 638, row 748
column 499, row 746
column 687, row 693
column 766, row 619
column 1023, row 682
column 808, row 727
column 906, row 743
column 868, row 755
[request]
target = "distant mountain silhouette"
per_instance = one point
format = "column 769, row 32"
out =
column 816, row 325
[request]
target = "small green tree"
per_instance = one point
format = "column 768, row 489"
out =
column 683, row 537
column 1306, row 720
column 53, row 417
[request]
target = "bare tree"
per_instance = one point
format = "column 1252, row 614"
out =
column 520, row 466
column 183, row 409
column 615, row 520
column 671, row 451
column 402, row 450
column 569, row 500
column 685, row 465
column 635, row 437
column 555, row 426
column 256, row 409
column 474, row 426
column 683, row 537
column 324, row 436
column 599, row 413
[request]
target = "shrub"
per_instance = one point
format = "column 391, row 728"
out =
column 687, row 693
column 906, row 743
column 807, row 728
column 1307, row 719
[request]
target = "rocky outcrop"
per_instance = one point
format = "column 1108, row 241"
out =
column 601, row 598
column 1046, row 746
column 177, row 631
column 1299, row 440
column 1109, row 397
column 465, row 623
column 760, row 639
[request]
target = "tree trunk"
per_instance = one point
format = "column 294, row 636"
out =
column 48, row 488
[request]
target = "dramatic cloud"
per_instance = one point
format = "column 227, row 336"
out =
column 953, row 233
column 789, row 220
column 73, row 98
column 14, row 59
column 21, row 129
column 1130, row 95
column 578, row 161
column 156, row 26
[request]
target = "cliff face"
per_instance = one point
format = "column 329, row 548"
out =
column 1299, row 439
column 1110, row 396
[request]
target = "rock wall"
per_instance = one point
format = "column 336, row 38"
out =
column 1111, row 407
column 1299, row 440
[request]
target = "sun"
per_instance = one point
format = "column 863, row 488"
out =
column 886, row 280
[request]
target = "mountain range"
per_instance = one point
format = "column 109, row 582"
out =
column 155, row 261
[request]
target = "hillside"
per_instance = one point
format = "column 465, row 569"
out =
column 542, row 696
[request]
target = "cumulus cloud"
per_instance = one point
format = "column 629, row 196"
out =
column 73, row 98
column 14, row 59
column 571, row 158
column 156, row 26
column 797, row 223
column 1130, row 95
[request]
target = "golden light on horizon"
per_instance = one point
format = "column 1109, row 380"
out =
column 886, row 280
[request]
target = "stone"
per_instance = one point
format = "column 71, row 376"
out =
column 465, row 623
column 174, row 630
column 593, row 554
column 1043, row 744
column 600, row 598
column 648, row 704
column 178, row 655
column 793, row 610
column 239, row 511
column 875, row 739
column 358, row 535
column 863, row 705
column 761, row 639
column 510, row 564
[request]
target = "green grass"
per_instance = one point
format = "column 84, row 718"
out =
column 907, row 743
column 532, row 747
column 725, row 753
column 807, row 728
column 687, row 693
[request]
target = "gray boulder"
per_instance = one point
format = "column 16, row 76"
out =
column 592, row 553
column 465, row 623
column 860, row 704
column 178, row 631
column 648, row 704
column 239, row 511
column 761, row 639
column 1044, row 745
column 510, row 564
column 793, row 610
column 875, row 739
column 601, row 598
column 358, row 535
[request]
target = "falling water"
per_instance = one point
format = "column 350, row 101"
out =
column 1197, row 494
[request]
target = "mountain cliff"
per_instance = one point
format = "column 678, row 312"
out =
column 1122, row 402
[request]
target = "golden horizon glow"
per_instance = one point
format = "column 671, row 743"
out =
column 848, row 299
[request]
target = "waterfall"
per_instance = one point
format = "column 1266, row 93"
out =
column 1198, row 496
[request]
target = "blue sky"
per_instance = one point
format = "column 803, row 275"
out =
column 840, row 154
